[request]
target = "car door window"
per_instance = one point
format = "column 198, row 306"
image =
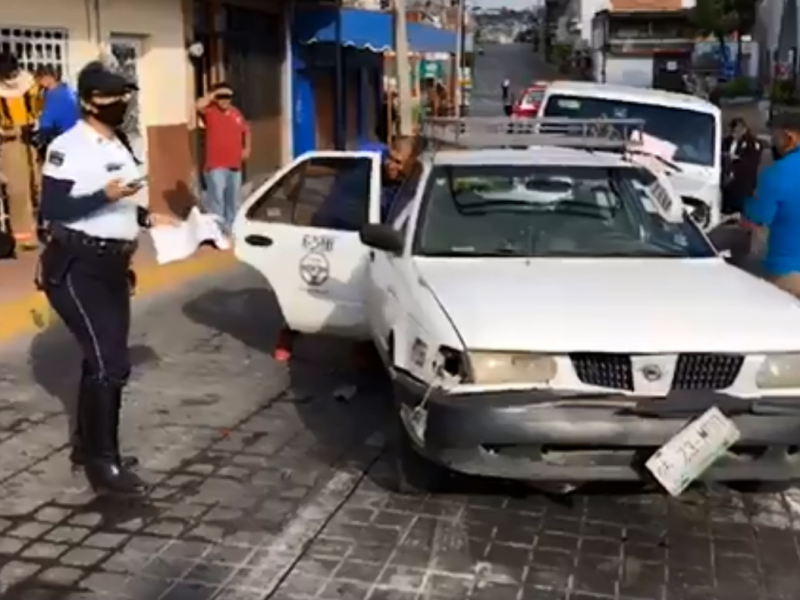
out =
column 325, row 192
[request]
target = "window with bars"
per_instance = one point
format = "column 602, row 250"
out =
column 36, row 46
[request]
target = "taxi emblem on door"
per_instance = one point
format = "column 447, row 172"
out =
column 314, row 269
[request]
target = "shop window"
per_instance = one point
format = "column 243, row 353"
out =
column 35, row 47
column 127, row 51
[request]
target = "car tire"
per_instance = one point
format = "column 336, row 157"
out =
column 415, row 474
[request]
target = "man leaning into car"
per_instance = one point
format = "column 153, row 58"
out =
column 773, row 212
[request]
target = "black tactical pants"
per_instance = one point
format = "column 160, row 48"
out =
column 89, row 288
column 88, row 284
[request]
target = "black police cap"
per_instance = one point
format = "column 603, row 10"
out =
column 95, row 79
column 785, row 117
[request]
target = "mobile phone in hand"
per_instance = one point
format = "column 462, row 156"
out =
column 138, row 182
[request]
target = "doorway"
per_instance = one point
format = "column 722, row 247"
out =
column 668, row 72
column 126, row 52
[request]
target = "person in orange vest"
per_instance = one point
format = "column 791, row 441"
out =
column 20, row 107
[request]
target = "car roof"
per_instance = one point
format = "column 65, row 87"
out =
column 629, row 93
column 535, row 155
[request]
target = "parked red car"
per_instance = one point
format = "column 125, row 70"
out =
column 527, row 105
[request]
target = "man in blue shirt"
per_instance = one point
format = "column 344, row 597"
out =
column 773, row 212
column 60, row 112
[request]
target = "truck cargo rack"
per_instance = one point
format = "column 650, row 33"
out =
column 502, row 132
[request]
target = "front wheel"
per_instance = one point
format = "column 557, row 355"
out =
column 416, row 475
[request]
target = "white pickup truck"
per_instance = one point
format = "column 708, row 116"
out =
column 691, row 125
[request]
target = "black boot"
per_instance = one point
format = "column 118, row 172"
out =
column 76, row 455
column 99, row 422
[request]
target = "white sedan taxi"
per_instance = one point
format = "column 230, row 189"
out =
column 547, row 314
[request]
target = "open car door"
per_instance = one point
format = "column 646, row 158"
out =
column 300, row 230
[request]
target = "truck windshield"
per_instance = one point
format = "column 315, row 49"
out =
column 550, row 211
column 694, row 133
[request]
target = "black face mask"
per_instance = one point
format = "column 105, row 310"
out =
column 776, row 153
column 112, row 114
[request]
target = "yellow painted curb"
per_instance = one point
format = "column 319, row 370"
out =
column 32, row 313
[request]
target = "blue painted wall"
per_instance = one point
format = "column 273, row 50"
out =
column 304, row 131
column 364, row 67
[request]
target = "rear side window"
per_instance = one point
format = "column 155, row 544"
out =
column 327, row 192
column 533, row 97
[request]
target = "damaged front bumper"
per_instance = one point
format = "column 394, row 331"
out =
column 538, row 435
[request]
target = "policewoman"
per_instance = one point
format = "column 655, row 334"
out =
column 93, row 217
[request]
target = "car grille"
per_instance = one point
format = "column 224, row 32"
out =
column 692, row 371
column 604, row 370
column 706, row 371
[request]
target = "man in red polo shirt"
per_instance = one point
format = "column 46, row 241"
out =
column 227, row 148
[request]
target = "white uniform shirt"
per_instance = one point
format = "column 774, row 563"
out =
column 91, row 161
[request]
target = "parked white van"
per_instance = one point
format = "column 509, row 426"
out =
column 690, row 124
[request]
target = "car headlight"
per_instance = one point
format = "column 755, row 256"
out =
column 511, row 367
column 779, row 371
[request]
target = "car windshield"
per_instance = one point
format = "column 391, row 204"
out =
column 692, row 132
column 550, row 211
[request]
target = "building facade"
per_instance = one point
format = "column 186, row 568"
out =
column 243, row 42
column 338, row 71
column 777, row 33
column 572, row 19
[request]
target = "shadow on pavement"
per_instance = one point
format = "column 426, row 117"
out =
column 55, row 363
column 102, row 522
column 322, row 367
column 320, row 372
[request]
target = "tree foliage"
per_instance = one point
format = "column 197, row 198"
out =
column 721, row 18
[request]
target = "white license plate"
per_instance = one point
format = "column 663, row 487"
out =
column 692, row 450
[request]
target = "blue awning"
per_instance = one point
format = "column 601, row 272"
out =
column 368, row 30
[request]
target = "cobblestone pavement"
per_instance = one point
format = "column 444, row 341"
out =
column 267, row 484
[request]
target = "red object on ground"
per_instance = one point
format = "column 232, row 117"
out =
column 527, row 105
column 284, row 346
column 225, row 130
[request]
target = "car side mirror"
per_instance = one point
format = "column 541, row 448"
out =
column 382, row 237
column 698, row 211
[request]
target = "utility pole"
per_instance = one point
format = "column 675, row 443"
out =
column 460, row 39
column 403, row 68
column 541, row 22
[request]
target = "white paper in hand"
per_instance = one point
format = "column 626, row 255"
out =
column 179, row 242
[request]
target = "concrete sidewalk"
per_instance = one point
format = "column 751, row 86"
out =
column 25, row 310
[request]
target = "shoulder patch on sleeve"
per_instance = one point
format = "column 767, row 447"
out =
column 55, row 158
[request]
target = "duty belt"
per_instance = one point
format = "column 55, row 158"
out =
column 71, row 237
